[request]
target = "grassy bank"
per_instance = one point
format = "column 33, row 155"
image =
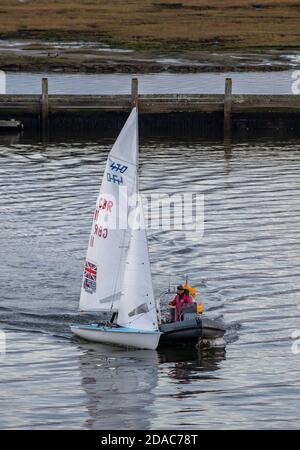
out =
column 158, row 25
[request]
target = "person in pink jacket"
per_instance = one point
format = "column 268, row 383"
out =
column 182, row 298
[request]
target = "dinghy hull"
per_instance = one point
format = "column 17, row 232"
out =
column 125, row 337
column 192, row 330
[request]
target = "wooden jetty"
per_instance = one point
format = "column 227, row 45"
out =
column 189, row 112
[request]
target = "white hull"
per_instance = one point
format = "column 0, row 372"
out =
column 125, row 337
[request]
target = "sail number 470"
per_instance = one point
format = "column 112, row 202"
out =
column 118, row 167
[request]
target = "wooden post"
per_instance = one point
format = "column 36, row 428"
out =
column 227, row 105
column 134, row 92
column 44, row 105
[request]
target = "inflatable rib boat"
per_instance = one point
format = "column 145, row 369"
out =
column 192, row 327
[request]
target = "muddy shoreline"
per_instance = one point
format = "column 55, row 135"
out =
column 95, row 57
column 131, row 68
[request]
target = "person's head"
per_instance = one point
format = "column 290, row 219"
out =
column 180, row 289
column 186, row 292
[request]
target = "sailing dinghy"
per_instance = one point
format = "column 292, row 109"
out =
column 117, row 274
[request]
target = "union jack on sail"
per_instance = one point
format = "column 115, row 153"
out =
column 90, row 277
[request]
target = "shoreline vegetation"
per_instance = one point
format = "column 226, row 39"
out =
column 148, row 36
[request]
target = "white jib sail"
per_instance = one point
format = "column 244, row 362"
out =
column 105, row 262
column 137, row 308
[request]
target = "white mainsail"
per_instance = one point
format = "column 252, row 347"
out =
column 107, row 250
column 137, row 308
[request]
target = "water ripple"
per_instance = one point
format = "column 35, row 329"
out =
column 246, row 267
